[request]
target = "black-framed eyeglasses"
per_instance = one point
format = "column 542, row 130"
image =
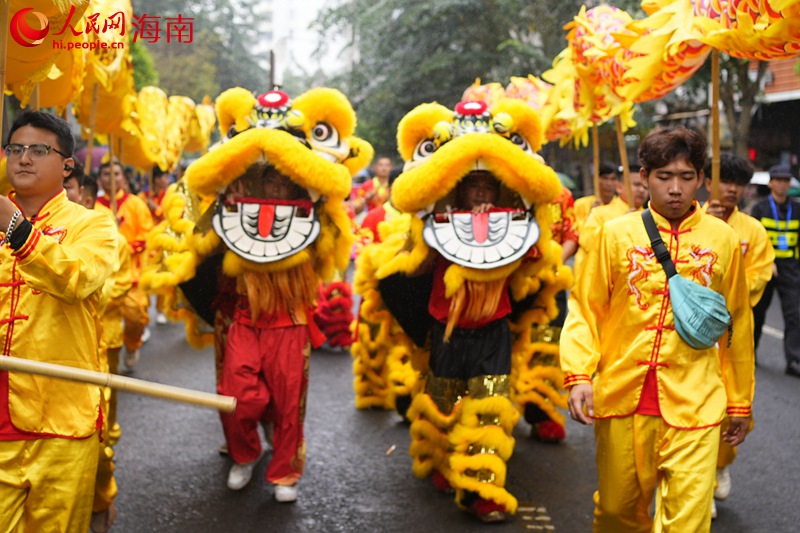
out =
column 35, row 151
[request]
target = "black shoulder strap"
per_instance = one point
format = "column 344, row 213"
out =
column 659, row 248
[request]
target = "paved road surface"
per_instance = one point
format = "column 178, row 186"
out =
column 173, row 480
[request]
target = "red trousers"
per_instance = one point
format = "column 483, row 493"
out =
column 266, row 370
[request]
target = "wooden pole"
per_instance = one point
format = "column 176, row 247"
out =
column 715, row 125
column 34, row 101
column 92, row 119
column 226, row 404
column 113, row 166
column 3, row 51
column 623, row 158
column 596, row 160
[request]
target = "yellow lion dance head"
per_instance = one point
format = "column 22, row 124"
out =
column 270, row 196
column 442, row 148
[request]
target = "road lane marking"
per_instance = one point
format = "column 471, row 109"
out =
column 535, row 518
column 773, row 332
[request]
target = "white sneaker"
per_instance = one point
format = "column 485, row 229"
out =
column 286, row 493
column 131, row 358
column 161, row 318
column 713, row 509
column 239, row 475
column 723, row 489
column 145, row 335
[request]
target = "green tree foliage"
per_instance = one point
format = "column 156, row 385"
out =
column 144, row 70
column 221, row 53
column 406, row 53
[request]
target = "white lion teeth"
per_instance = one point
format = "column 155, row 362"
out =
column 235, row 233
column 314, row 195
column 270, row 249
column 505, row 250
column 477, row 256
column 302, row 227
column 230, row 220
column 250, row 209
column 259, row 247
column 451, row 246
column 507, row 241
column 283, row 211
column 244, row 243
column 290, row 234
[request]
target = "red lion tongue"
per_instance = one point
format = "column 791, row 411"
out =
column 266, row 217
column 480, row 226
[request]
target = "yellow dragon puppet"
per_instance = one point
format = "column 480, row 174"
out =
column 459, row 286
column 250, row 231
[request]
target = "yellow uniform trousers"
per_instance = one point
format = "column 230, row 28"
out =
column 135, row 312
column 638, row 455
column 105, row 489
column 47, row 484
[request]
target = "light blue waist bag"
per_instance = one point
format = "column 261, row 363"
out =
column 701, row 314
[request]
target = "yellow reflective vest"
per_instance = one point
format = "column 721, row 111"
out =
column 620, row 323
column 50, row 290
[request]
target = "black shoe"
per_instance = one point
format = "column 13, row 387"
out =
column 793, row 369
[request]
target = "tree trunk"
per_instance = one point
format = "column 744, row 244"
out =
column 738, row 94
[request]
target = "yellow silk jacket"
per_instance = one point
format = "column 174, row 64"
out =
column 50, row 290
column 135, row 222
column 591, row 227
column 114, row 291
column 582, row 208
column 620, row 323
column 759, row 255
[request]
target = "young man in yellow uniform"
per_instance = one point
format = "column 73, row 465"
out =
column 617, row 207
column 114, row 291
column 603, row 196
column 656, row 402
column 759, row 259
column 135, row 222
column 54, row 259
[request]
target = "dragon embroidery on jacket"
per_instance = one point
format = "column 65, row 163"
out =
column 636, row 256
column 707, row 259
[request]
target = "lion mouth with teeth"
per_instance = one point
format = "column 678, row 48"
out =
column 265, row 216
column 483, row 238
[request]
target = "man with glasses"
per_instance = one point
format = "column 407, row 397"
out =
column 54, row 258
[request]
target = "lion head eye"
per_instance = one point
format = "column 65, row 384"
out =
column 425, row 148
column 326, row 134
column 520, row 141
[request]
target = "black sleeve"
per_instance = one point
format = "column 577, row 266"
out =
column 20, row 234
column 407, row 298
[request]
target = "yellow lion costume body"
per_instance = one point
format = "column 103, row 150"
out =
column 492, row 268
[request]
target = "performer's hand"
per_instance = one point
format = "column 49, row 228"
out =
column 715, row 209
column 7, row 209
column 737, row 430
column 482, row 208
column 580, row 396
